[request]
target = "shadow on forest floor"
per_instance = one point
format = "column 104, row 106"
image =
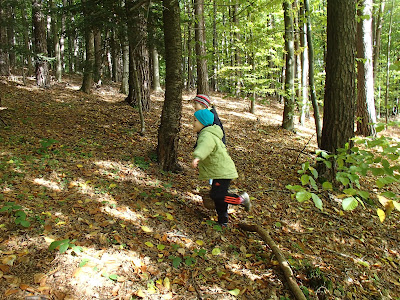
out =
column 81, row 172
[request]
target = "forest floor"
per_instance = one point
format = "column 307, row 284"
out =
column 85, row 179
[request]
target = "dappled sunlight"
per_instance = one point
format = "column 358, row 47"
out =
column 48, row 184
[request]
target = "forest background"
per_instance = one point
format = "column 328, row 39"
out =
column 338, row 59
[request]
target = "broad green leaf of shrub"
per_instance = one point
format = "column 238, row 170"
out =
column 303, row 196
column 317, row 201
column 363, row 194
column 327, row 185
column 349, row 203
column 313, row 184
column 304, row 179
column 350, row 191
column 63, row 244
column 296, row 188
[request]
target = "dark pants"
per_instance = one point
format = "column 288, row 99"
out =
column 221, row 197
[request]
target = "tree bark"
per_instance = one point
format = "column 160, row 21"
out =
column 98, row 57
column 87, row 83
column 310, row 52
column 168, row 134
column 200, row 37
column 56, row 42
column 156, row 71
column 388, row 63
column 304, row 67
column 338, row 125
column 39, row 32
column 377, row 37
column 288, row 111
column 137, row 34
column 4, row 58
column 366, row 116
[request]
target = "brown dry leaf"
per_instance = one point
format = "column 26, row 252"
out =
column 38, row 277
column 10, row 292
column 9, row 260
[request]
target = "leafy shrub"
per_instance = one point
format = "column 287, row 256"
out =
column 378, row 158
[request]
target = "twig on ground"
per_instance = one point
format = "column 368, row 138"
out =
column 283, row 263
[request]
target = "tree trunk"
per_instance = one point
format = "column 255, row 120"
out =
column 377, row 37
column 87, row 83
column 98, row 57
column 338, row 125
column 288, row 112
column 4, row 58
column 25, row 25
column 189, row 83
column 137, row 34
column 215, row 49
column 156, row 71
column 11, row 24
column 200, row 37
column 304, row 67
column 314, row 102
column 366, row 116
column 388, row 63
column 56, row 41
column 125, row 62
column 39, row 32
column 168, row 134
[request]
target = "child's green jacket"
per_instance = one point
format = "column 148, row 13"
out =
column 215, row 162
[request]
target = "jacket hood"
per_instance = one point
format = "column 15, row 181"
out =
column 215, row 130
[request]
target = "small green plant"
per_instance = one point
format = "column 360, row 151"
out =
column 46, row 145
column 377, row 158
column 141, row 162
column 18, row 212
column 64, row 245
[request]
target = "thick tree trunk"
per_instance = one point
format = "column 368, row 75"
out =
column 168, row 134
column 288, row 111
column 200, row 37
column 4, row 58
column 339, row 99
column 39, row 32
column 87, row 83
column 366, row 116
column 137, row 34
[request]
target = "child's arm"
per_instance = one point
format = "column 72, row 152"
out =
column 205, row 145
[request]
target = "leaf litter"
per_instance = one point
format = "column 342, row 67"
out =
column 87, row 180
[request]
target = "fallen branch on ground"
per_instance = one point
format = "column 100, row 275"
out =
column 283, row 263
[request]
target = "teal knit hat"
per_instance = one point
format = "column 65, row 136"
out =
column 205, row 117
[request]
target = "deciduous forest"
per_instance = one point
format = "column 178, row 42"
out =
column 98, row 197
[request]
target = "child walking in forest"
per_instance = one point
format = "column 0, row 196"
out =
column 214, row 162
column 203, row 102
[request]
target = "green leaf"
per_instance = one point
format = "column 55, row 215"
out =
column 304, row 179
column 327, row 185
column 363, row 194
column 317, row 201
column 84, row 262
column 314, row 172
column 234, row 292
column 64, row 247
column 25, row 223
column 296, row 188
column 113, row 277
column 303, row 196
column 313, row 184
column 349, row 203
column 176, row 262
column 216, row 251
column 56, row 244
column 350, row 191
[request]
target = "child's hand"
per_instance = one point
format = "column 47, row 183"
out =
column 195, row 162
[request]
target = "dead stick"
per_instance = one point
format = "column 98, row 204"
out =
column 283, row 263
